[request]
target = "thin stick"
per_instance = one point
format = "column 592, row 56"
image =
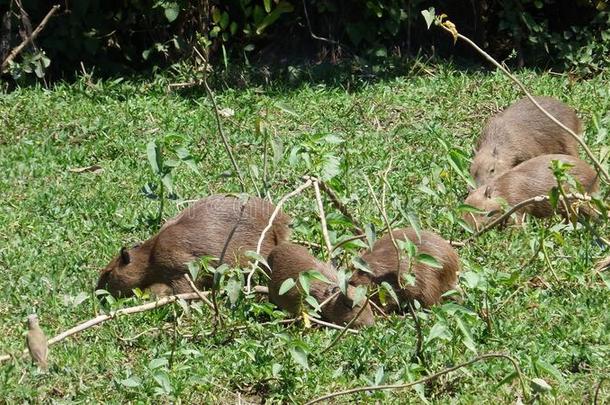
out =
column 582, row 143
column 278, row 207
column 596, row 395
column 350, row 323
column 516, row 207
column 123, row 311
column 548, row 261
column 314, row 36
column 420, row 337
column 17, row 50
column 340, row 206
column 331, row 325
column 425, row 379
column 199, row 293
column 329, row 246
column 387, row 222
column 219, row 124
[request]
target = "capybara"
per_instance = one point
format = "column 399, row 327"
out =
column 522, row 132
column 221, row 226
column 430, row 282
column 288, row 261
column 531, row 178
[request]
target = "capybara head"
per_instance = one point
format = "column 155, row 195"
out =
column 125, row 272
column 488, row 164
column 483, row 199
column 288, row 261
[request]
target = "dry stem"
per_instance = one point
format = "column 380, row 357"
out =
column 340, row 206
column 426, row 379
column 278, row 207
column 17, row 50
column 329, row 246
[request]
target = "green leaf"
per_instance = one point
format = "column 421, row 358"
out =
column 286, row 286
column 429, row 15
column 554, row 197
column 509, row 378
column 539, row 385
column 315, row 274
column 287, row 109
column 359, row 295
column 216, row 14
column 267, row 4
column 162, row 379
column 414, row 221
column 330, row 167
column 131, row 382
column 313, row 302
column 466, row 334
column 152, row 151
column 342, row 280
column 387, row 287
column 304, row 280
column 171, row 11
column 233, row 289
column 224, row 20
column 438, row 331
column 299, row 355
column 360, row 264
column 550, row 369
column 429, row 260
column 156, row 363
column 371, row 237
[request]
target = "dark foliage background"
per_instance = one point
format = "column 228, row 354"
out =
column 135, row 35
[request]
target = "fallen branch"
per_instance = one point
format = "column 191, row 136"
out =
column 199, row 293
column 516, row 207
column 329, row 246
column 426, row 379
column 17, row 50
column 450, row 28
column 113, row 314
column 278, row 207
column 208, row 90
column 332, row 325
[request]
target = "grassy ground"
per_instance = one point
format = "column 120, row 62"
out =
column 58, row 228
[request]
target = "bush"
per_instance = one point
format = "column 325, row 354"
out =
column 118, row 36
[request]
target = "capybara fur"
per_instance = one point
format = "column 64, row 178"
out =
column 221, row 226
column 430, row 282
column 522, row 132
column 531, row 178
column 288, row 261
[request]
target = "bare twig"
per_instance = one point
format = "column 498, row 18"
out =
column 347, row 240
column 219, row 123
column 516, row 207
column 450, row 28
column 200, row 294
column 427, row 378
column 597, row 389
column 314, row 36
column 331, row 325
column 340, row 206
column 124, row 311
column 17, row 50
column 278, row 207
column 329, row 246
column 381, row 208
column 420, row 337
column 350, row 323
column 548, row 261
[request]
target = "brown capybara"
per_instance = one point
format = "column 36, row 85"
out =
column 522, row 132
column 288, row 261
column 430, row 282
column 221, row 226
column 531, row 178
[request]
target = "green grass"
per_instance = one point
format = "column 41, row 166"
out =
column 58, row 228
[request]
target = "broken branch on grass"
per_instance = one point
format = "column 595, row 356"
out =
column 225, row 141
column 428, row 378
column 450, row 28
column 332, row 325
column 17, row 50
column 329, row 246
column 113, row 314
column 308, row 182
column 340, row 206
column 516, row 207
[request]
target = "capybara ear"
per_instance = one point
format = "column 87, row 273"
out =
column 487, row 192
column 125, row 259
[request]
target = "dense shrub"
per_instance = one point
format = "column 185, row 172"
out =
column 142, row 34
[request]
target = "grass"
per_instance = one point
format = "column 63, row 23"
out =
column 58, row 228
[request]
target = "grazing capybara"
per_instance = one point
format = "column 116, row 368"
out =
column 221, row 226
column 430, row 282
column 288, row 261
column 522, row 132
column 531, row 178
